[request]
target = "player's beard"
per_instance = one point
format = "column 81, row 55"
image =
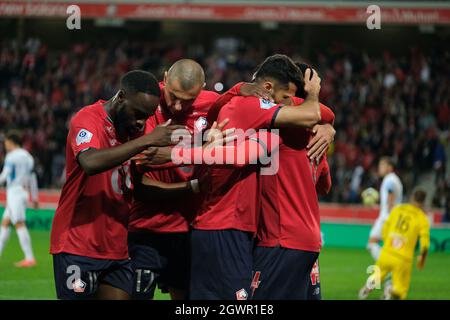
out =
column 124, row 125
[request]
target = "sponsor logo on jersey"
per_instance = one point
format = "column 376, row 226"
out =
column 83, row 136
column 241, row 294
column 266, row 104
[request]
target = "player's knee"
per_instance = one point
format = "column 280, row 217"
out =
column 6, row 223
column 20, row 224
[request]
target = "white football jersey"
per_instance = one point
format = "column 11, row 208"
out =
column 17, row 169
column 391, row 183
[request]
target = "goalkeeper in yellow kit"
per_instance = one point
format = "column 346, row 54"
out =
column 407, row 224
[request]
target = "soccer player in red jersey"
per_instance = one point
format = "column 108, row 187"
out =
column 167, row 198
column 288, row 237
column 222, row 235
column 89, row 231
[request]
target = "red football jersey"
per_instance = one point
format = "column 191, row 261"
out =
column 175, row 215
column 290, row 208
column 233, row 201
column 92, row 215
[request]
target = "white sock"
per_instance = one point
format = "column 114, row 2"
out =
column 4, row 236
column 25, row 242
column 374, row 249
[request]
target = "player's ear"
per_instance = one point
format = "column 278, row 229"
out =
column 165, row 77
column 204, row 84
column 120, row 96
column 268, row 86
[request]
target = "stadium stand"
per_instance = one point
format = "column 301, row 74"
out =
column 384, row 104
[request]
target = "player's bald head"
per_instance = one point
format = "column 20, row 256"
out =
column 187, row 73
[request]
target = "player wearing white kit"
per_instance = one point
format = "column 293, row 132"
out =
column 391, row 194
column 19, row 177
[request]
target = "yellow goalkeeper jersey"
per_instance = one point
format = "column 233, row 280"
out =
column 405, row 226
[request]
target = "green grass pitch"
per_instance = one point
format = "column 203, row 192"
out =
column 342, row 273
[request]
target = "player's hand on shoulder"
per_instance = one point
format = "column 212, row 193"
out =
column 217, row 136
column 166, row 134
column 312, row 84
column 322, row 138
column 252, row 89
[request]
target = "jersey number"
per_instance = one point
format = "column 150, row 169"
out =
column 141, row 277
column 403, row 223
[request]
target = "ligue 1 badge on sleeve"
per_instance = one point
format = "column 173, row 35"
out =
column 266, row 104
column 83, row 136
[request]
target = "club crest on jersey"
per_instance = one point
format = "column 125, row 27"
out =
column 201, row 123
column 83, row 136
column 266, row 104
column 241, row 294
column 79, row 286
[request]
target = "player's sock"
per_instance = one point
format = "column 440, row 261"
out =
column 387, row 292
column 374, row 249
column 364, row 292
column 25, row 242
column 4, row 236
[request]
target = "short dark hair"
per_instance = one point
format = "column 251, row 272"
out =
column 14, row 136
column 140, row 81
column 419, row 195
column 301, row 89
column 281, row 68
column 388, row 160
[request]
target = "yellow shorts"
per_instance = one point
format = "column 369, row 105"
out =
column 400, row 269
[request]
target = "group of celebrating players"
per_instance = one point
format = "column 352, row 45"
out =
column 130, row 217
column 229, row 212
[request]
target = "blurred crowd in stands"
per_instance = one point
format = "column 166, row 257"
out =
column 385, row 104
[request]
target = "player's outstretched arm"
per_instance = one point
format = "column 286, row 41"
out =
column 249, row 150
column 94, row 161
column 160, row 158
column 217, row 151
column 309, row 114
